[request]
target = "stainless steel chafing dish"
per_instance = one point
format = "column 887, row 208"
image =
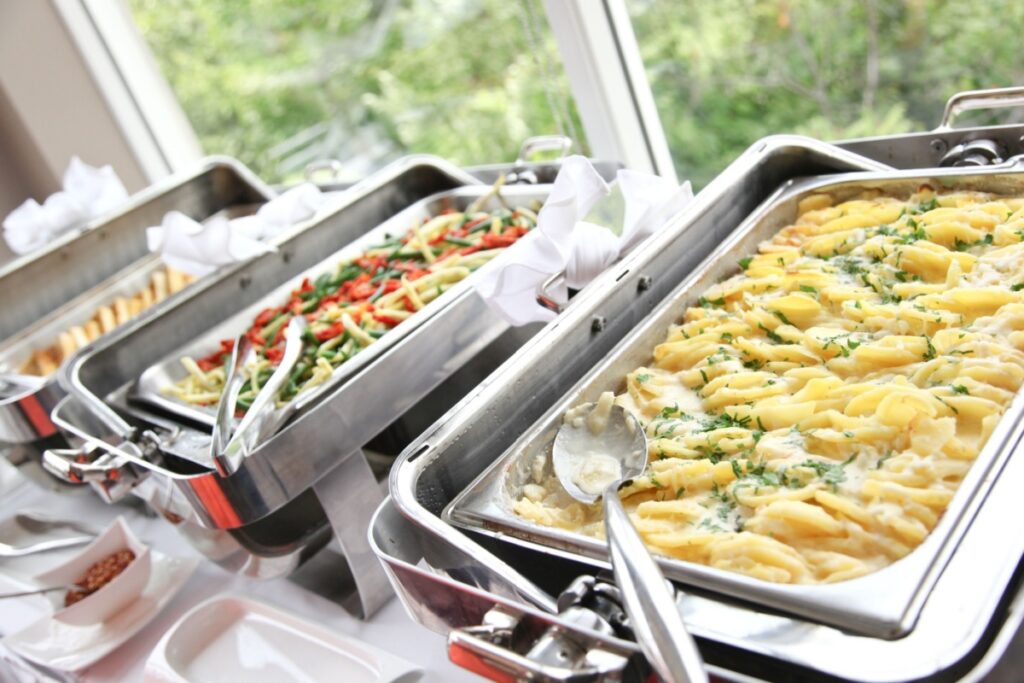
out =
column 63, row 284
column 493, row 592
column 311, row 477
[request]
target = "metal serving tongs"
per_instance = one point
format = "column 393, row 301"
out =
column 263, row 418
column 597, row 448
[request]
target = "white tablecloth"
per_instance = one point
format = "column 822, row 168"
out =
column 390, row 629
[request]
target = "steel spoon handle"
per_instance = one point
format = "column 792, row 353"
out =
column 35, row 591
column 649, row 601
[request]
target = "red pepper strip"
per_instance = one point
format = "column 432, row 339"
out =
column 265, row 316
column 274, row 354
column 383, row 318
column 489, row 241
column 255, row 338
column 364, row 290
column 330, row 332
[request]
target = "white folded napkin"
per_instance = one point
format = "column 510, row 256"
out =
column 200, row 248
column 564, row 242
column 88, row 192
column 290, row 208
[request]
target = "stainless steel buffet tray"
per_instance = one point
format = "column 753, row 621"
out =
column 169, row 368
column 448, row 578
column 37, row 283
column 64, row 284
column 884, row 603
column 418, row 356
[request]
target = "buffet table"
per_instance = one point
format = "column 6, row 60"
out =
column 390, row 629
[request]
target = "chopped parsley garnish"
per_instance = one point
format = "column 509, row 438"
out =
column 641, row 378
column 745, row 262
column 960, row 245
column 669, row 412
column 724, row 421
column 881, row 461
column 708, row 303
column 713, row 453
column 782, row 317
column 772, row 335
column 960, row 389
column 930, row 349
column 927, row 206
column 1017, row 287
column 832, row 474
column 917, row 234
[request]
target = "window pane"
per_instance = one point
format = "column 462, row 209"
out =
column 279, row 83
column 726, row 73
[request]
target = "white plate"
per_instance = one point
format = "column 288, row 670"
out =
column 57, row 645
column 234, row 638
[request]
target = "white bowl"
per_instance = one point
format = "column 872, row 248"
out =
column 112, row 598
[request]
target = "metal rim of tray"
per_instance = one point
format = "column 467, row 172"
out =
column 929, row 648
column 883, row 603
column 168, row 368
column 267, row 480
column 23, row 418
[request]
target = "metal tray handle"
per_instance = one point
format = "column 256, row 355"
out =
column 500, row 650
column 521, row 173
column 973, row 100
column 543, row 143
column 313, row 168
column 112, row 469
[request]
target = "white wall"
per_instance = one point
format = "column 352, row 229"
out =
column 50, row 107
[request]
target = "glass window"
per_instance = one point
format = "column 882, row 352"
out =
column 726, row 73
column 278, row 83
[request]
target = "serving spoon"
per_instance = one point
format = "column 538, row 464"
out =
column 597, row 448
column 26, row 533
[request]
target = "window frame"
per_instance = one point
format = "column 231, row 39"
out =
column 595, row 38
column 125, row 71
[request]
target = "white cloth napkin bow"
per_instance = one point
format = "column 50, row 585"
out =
column 564, row 242
column 87, row 192
column 200, row 248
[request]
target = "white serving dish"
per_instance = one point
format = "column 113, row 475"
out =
column 112, row 598
column 60, row 646
column 234, row 638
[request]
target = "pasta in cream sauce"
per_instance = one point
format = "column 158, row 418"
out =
column 811, row 417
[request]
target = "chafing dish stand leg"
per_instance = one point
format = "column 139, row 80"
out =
column 350, row 495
